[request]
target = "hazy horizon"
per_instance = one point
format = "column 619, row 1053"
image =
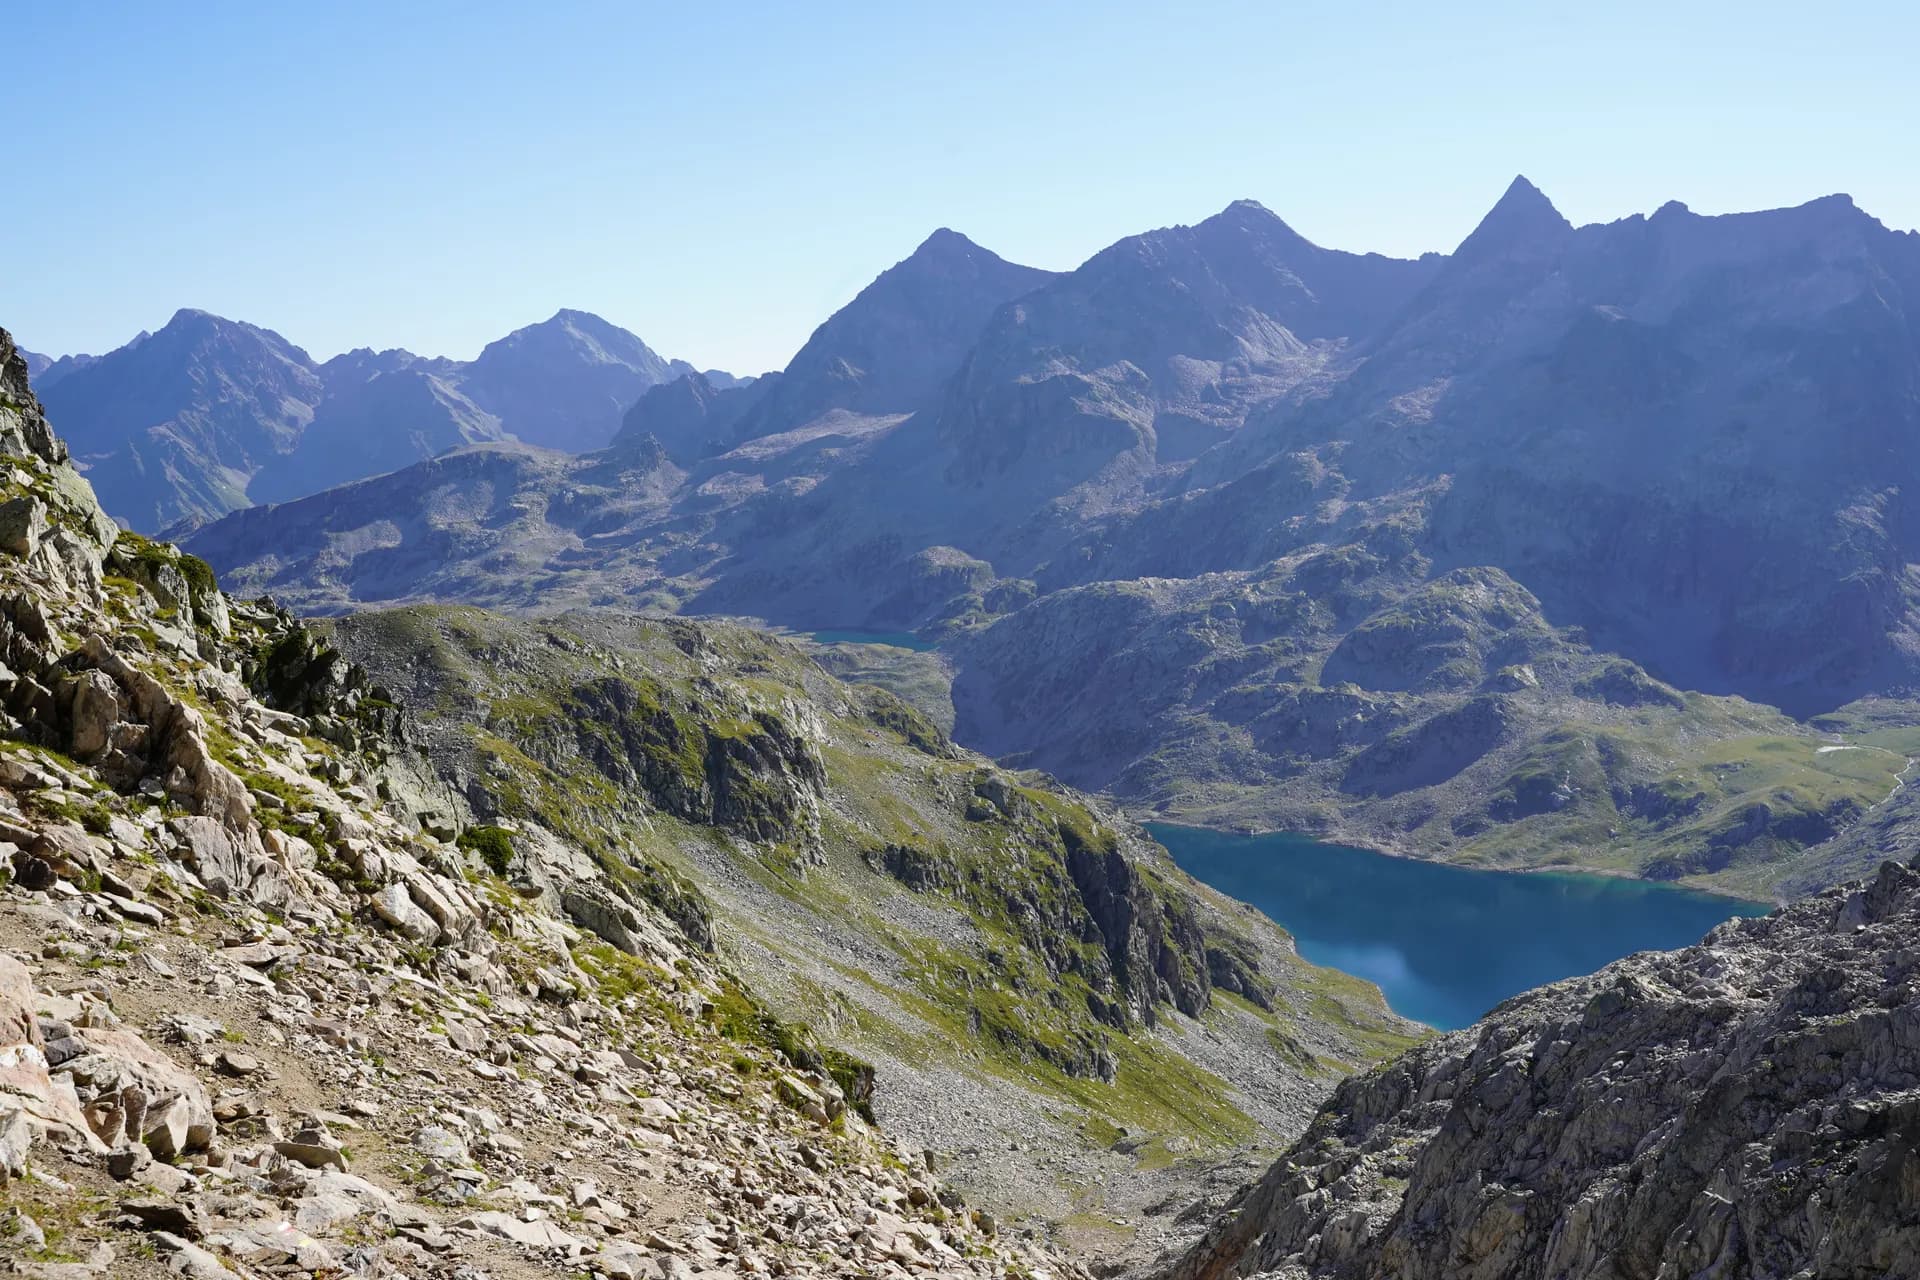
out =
column 720, row 182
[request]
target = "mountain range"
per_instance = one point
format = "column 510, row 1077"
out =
column 1576, row 545
column 517, row 918
column 210, row 415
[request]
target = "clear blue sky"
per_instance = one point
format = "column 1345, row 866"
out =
column 719, row 177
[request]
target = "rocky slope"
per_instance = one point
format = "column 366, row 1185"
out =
column 209, row 415
column 996, row 947
column 294, row 980
column 257, row 1021
column 1746, row 1107
column 1577, row 544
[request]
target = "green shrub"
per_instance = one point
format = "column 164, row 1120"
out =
column 493, row 844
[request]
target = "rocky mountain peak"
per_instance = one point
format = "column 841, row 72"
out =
column 1250, row 215
column 1522, row 221
column 166, row 423
column 941, row 256
column 945, row 242
column 565, row 382
column 578, row 332
column 193, row 327
column 891, row 348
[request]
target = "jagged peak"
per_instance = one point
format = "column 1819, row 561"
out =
column 191, row 327
column 1522, row 217
column 1521, row 193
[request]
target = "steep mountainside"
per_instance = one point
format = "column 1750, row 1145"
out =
column 1744, row 1108
column 367, row 428
column 1578, row 545
column 291, row 973
column 891, row 348
column 565, row 383
column 995, row 946
column 173, row 424
column 208, row 416
column 255, row 1020
column 690, row 417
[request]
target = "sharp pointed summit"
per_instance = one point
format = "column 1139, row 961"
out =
column 1522, row 219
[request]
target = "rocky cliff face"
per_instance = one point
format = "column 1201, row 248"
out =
column 1746, row 1107
column 1161, row 342
column 366, row 428
column 690, row 417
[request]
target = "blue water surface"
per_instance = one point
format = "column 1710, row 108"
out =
column 1445, row 944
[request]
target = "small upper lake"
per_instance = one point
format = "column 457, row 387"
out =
column 1445, row 944
column 895, row 639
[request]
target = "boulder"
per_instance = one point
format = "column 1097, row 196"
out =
column 395, row 905
column 32, row 1099
column 232, row 864
column 314, row 1148
column 23, row 523
column 98, row 708
column 131, row 1091
column 18, row 1024
column 178, row 738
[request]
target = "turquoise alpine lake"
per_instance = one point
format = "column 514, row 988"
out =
column 1445, row 944
column 893, row 639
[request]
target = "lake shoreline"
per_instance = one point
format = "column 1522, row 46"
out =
column 1444, row 943
column 1389, row 850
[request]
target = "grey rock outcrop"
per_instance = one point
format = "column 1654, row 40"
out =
column 1745, row 1108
